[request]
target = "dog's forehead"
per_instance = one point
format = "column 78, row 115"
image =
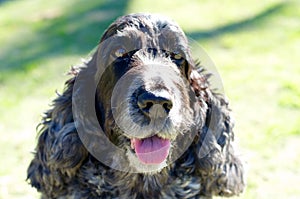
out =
column 151, row 25
column 145, row 31
column 143, row 21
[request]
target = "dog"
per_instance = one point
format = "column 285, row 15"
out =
column 138, row 120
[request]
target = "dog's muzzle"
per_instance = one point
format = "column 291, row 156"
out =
column 147, row 102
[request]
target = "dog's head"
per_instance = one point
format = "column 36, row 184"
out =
column 144, row 100
column 145, row 88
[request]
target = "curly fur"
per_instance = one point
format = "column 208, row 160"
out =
column 63, row 168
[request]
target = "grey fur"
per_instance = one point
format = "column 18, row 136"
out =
column 63, row 168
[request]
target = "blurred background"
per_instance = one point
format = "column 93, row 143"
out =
column 255, row 45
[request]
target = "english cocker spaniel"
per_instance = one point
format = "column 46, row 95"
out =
column 138, row 120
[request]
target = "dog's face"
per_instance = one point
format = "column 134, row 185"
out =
column 144, row 101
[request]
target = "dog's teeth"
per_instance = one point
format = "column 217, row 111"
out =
column 132, row 143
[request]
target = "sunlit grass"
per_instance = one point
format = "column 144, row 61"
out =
column 255, row 45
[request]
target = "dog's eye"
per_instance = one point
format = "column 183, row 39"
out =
column 177, row 56
column 120, row 52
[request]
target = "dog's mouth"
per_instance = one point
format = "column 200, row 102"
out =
column 152, row 150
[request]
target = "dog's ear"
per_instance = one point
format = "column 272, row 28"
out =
column 216, row 162
column 59, row 151
column 111, row 30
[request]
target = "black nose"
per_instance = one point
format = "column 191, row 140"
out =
column 147, row 100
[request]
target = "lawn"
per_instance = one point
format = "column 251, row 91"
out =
column 254, row 44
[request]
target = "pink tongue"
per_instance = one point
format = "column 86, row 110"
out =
column 152, row 150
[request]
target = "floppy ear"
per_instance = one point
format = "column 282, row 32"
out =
column 218, row 165
column 59, row 152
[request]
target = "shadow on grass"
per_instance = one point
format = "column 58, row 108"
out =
column 4, row 1
column 75, row 31
column 239, row 25
column 78, row 30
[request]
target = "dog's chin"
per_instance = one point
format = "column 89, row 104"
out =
column 148, row 155
column 137, row 166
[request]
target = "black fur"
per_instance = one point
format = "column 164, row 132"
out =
column 63, row 168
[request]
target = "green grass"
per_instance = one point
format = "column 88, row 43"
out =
column 255, row 46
